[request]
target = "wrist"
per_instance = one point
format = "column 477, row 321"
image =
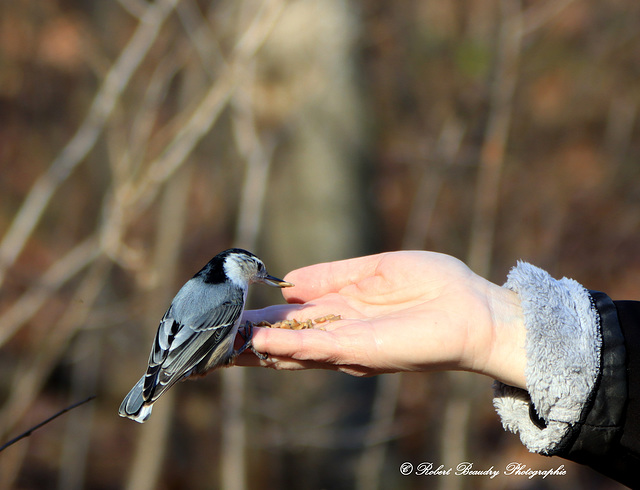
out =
column 505, row 354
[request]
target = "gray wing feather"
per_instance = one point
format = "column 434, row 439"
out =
column 192, row 330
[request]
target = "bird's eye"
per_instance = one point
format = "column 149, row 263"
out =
column 260, row 267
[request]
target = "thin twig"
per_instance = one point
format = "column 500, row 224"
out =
column 36, row 427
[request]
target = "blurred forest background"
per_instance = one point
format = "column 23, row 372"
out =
column 139, row 139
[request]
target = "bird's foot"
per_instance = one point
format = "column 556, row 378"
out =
column 246, row 332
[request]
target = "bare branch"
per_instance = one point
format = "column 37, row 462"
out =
column 86, row 136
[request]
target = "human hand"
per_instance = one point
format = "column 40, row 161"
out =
column 401, row 311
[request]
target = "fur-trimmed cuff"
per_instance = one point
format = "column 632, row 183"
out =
column 563, row 359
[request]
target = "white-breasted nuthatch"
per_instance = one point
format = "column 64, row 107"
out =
column 198, row 331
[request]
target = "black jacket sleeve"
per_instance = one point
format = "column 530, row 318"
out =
column 607, row 437
column 582, row 400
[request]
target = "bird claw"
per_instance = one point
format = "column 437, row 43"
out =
column 247, row 337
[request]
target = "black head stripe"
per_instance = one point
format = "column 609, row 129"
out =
column 213, row 272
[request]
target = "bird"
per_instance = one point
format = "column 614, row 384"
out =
column 197, row 332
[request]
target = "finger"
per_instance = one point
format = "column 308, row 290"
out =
column 248, row 359
column 301, row 345
column 344, row 342
column 317, row 280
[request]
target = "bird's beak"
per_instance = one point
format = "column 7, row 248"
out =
column 274, row 281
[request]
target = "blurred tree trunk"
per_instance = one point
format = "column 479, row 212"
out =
column 152, row 444
column 309, row 109
column 308, row 100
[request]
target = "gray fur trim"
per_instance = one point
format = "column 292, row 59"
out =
column 563, row 358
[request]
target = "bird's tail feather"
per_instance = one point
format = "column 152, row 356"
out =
column 133, row 406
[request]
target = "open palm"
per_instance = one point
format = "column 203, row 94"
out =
column 401, row 311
